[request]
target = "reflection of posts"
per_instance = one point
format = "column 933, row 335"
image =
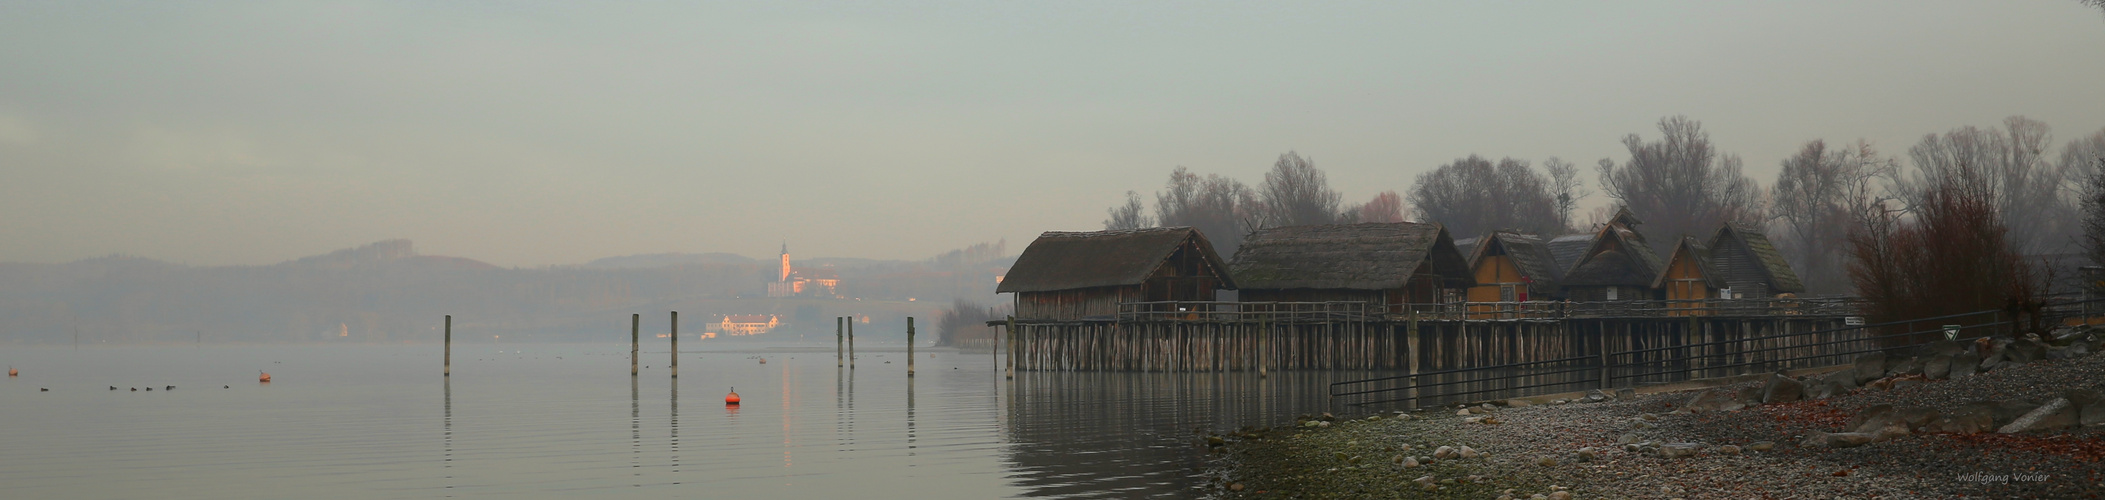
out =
column 675, row 344
column 674, row 424
column 449, row 427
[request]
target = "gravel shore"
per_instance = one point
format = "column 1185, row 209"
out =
column 1536, row 450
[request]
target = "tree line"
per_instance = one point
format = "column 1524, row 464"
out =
column 1832, row 209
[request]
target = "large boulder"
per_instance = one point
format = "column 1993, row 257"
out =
column 1905, row 367
column 1964, row 364
column 1966, row 419
column 1749, row 395
column 1937, row 367
column 1870, row 367
column 1782, row 389
column 1871, row 417
column 1917, row 417
column 1679, row 450
column 1824, row 387
column 2008, row 410
column 2025, row 351
column 1993, row 352
column 2090, row 406
column 1713, row 400
column 1838, row 439
column 2056, row 414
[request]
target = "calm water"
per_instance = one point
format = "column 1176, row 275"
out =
column 532, row 421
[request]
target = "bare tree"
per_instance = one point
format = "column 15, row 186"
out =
column 2084, row 159
column 2029, row 193
column 1220, row 207
column 1680, row 185
column 1952, row 256
column 1127, row 216
column 1471, row 196
column 1296, row 193
column 1567, row 189
column 1815, row 194
column 2094, row 212
column 1385, row 207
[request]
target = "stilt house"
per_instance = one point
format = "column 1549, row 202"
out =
column 1750, row 265
column 1073, row 276
column 1513, row 267
column 1385, row 265
column 1618, row 266
column 1689, row 276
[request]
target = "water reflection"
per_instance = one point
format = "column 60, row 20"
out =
column 447, row 462
column 673, row 422
column 1122, row 435
column 635, row 432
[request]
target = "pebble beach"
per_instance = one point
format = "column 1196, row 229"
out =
column 1640, row 446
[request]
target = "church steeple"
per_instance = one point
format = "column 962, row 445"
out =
column 785, row 262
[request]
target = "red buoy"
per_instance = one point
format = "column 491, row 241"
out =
column 11, row 372
column 264, row 378
column 731, row 399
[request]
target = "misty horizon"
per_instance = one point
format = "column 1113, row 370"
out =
column 536, row 135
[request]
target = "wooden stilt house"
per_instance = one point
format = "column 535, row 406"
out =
column 1076, row 276
column 1750, row 265
column 1617, row 267
column 1689, row 277
column 1387, row 266
column 1511, row 269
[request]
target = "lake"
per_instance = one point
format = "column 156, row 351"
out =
column 560, row 420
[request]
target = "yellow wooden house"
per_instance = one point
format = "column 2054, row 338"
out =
column 1689, row 279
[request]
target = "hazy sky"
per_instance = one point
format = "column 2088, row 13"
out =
column 528, row 134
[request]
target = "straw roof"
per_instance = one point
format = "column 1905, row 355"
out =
column 1060, row 260
column 1368, row 256
column 1568, row 250
column 1697, row 253
column 1618, row 256
column 1766, row 258
column 1528, row 253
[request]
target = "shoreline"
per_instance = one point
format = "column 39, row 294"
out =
column 1536, row 450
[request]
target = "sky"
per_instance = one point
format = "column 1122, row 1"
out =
column 550, row 133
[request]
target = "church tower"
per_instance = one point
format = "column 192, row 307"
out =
column 785, row 262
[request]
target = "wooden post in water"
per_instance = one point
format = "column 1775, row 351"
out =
column 909, row 346
column 1010, row 372
column 449, row 345
column 635, row 340
column 851, row 342
column 839, row 322
column 675, row 344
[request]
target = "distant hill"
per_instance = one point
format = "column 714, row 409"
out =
column 646, row 261
column 386, row 292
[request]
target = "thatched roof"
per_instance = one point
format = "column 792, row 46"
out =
column 1528, row 253
column 1770, row 261
column 1369, row 256
column 1467, row 246
column 1060, row 260
column 1568, row 250
column 1635, row 264
column 1697, row 253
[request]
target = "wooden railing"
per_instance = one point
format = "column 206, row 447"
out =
column 1546, row 310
